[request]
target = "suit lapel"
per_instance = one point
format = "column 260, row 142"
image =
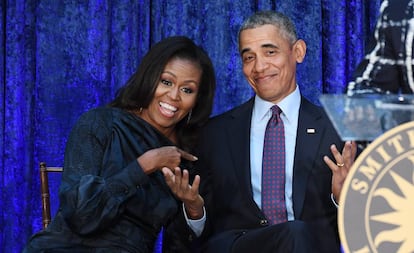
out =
column 310, row 131
column 238, row 133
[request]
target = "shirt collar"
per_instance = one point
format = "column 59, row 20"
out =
column 289, row 105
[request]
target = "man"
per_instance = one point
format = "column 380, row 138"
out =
column 232, row 146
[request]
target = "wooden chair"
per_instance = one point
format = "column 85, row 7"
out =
column 44, row 183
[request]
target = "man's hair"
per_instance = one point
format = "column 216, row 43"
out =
column 285, row 25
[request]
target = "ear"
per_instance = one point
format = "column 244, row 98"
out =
column 299, row 49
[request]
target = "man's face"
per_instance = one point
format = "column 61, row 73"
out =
column 269, row 61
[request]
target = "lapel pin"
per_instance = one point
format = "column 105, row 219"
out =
column 310, row 130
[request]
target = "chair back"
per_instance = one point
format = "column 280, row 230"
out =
column 44, row 184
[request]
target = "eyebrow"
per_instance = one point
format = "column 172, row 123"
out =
column 168, row 72
column 268, row 45
column 186, row 81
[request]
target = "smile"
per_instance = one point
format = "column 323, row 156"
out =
column 263, row 79
column 167, row 109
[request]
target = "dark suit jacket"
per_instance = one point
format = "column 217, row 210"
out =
column 224, row 166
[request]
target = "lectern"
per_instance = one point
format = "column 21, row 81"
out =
column 377, row 199
column 366, row 117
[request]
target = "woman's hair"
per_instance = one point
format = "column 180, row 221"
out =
column 277, row 19
column 139, row 90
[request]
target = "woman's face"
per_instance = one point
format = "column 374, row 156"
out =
column 175, row 96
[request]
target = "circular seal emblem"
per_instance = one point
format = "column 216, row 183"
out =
column 377, row 201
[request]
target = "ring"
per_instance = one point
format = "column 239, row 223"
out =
column 340, row 164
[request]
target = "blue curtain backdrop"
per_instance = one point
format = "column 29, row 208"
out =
column 60, row 58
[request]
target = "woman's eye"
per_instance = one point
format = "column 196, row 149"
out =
column 166, row 82
column 187, row 90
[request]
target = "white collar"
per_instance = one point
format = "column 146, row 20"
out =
column 289, row 106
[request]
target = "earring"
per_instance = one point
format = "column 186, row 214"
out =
column 140, row 110
column 189, row 116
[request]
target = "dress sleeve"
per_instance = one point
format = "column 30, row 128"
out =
column 90, row 197
column 384, row 66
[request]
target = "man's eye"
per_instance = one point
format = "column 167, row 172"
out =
column 271, row 52
column 166, row 82
column 248, row 58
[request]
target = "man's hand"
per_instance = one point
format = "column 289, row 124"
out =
column 340, row 168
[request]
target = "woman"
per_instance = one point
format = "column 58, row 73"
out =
column 113, row 195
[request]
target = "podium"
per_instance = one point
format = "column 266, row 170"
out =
column 377, row 199
column 365, row 118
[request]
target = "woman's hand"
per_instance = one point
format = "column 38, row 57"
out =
column 340, row 168
column 179, row 183
column 168, row 156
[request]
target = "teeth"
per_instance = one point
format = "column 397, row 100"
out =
column 168, row 106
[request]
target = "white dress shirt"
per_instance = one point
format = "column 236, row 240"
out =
column 261, row 115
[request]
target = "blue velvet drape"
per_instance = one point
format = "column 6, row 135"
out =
column 60, row 58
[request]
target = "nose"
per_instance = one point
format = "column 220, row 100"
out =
column 174, row 93
column 260, row 64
